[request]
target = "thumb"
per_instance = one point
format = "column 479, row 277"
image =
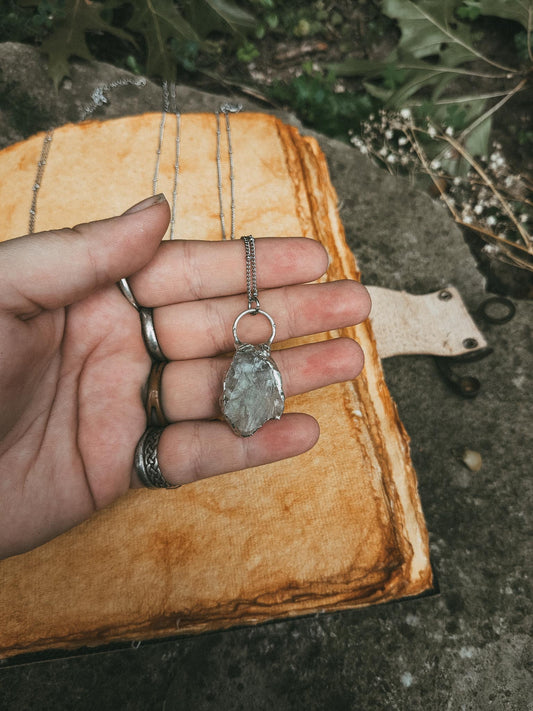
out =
column 53, row 269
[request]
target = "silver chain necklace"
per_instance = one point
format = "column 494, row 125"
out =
column 169, row 102
column 41, row 165
column 99, row 95
column 226, row 110
column 252, row 390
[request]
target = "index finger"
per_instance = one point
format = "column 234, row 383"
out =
column 186, row 270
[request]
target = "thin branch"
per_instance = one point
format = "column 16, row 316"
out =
column 505, row 245
column 488, row 181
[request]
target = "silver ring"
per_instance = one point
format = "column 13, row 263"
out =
column 147, row 463
column 125, row 288
column 149, row 337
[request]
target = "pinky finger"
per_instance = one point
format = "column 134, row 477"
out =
column 189, row 451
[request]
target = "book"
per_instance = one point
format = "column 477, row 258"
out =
column 338, row 527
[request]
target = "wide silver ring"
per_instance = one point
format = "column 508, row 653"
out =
column 125, row 288
column 147, row 463
column 149, row 336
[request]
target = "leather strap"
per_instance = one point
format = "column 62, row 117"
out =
column 435, row 324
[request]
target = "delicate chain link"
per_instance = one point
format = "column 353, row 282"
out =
column 164, row 112
column 226, row 109
column 177, row 158
column 45, row 150
column 251, row 273
column 169, row 103
column 99, row 98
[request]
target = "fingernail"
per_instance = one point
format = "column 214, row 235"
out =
column 144, row 204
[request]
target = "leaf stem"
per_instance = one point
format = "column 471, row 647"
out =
column 493, row 109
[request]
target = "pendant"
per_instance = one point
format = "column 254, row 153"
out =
column 252, row 392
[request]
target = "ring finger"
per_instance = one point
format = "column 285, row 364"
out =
column 204, row 328
column 190, row 390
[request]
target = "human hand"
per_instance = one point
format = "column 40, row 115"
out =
column 73, row 364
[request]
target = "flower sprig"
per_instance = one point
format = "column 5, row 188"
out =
column 488, row 198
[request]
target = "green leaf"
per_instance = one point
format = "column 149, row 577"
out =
column 518, row 10
column 233, row 15
column 159, row 21
column 477, row 141
column 67, row 36
column 378, row 92
column 208, row 16
column 428, row 26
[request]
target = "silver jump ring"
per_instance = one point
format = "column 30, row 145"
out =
column 125, row 288
column 149, row 335
column 237, row 340
column 147, row 463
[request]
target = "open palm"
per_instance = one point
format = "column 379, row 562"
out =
column 73, row 364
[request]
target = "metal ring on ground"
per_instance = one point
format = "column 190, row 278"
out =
column 149, row 335
column 147, row 462
column 152, row 402
column 509, row 310
column 238, row 342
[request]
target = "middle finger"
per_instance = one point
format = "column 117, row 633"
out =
column 190, row 390
column 203, row 328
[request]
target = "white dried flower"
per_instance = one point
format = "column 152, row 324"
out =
column 449, row 131
column 491, row 220
column 391, row 158
column 405, row 114
column 432, row 131
column 435, row 164
column 402, row 141
column 478, row 209
column 389, row 133
column 383, row 151
column 467, row 219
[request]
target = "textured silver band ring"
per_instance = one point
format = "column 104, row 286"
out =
column 147, row 462
column 149, row 336
column 125, row 288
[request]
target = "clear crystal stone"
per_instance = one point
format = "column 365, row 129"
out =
column 253, row 392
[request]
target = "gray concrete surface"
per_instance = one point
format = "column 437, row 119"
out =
column 467, row 647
